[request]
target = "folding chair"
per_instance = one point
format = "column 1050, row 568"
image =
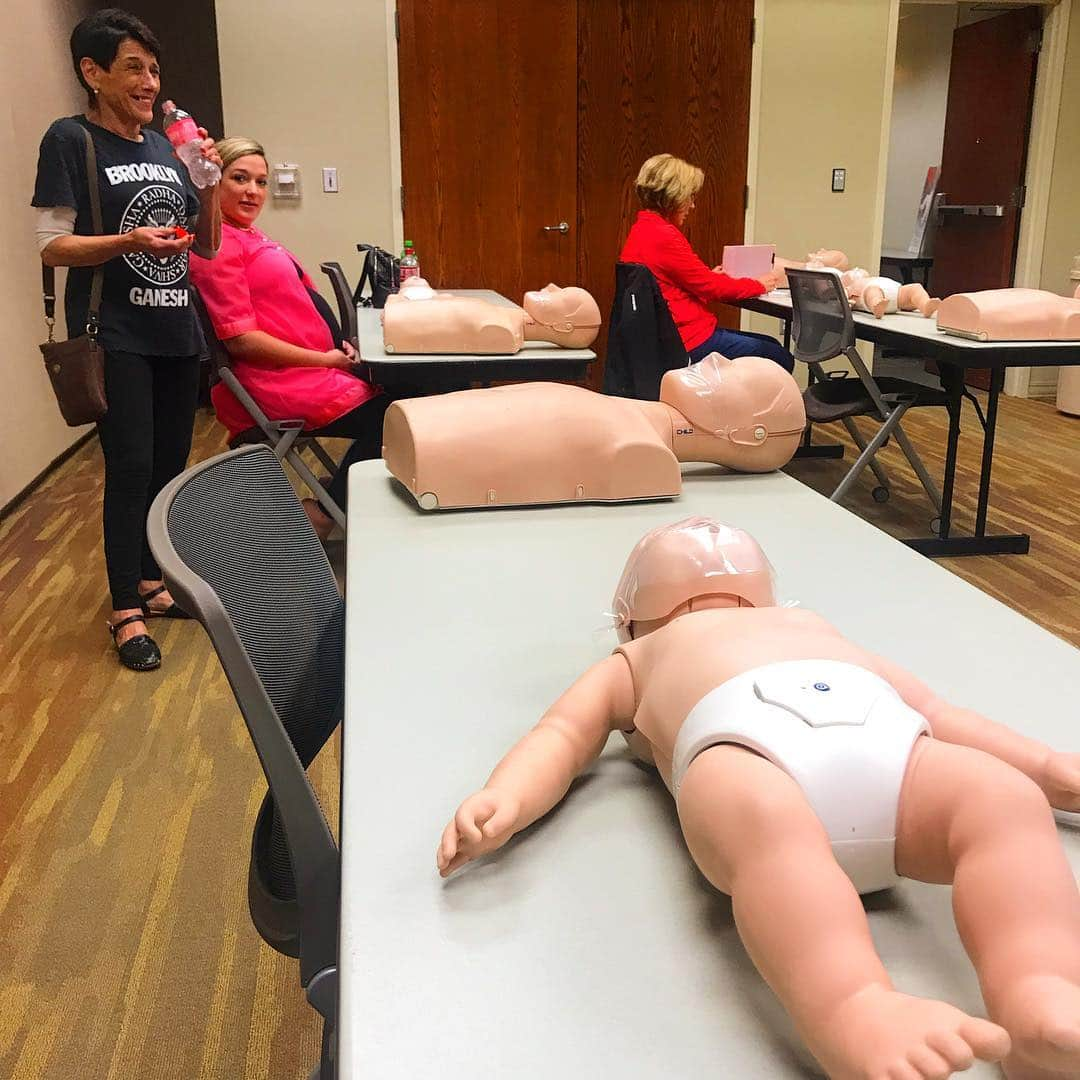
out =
column 823, row 328
column 238, row 552
column 287, row 438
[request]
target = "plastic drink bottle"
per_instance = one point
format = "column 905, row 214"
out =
column 183, row 133
column 410, row 264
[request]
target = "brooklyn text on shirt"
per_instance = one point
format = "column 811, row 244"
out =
column 158, row 297
column 144, row 170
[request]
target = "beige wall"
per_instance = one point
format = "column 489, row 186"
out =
column 314, row 92
column 920, row 94
column 1063, row 217
column 37, row 85
column 821, row 102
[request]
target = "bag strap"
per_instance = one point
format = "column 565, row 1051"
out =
column 48, row 273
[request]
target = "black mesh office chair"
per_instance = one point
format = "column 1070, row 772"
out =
column 239, row 555
column 287, row 438
column 823, row 328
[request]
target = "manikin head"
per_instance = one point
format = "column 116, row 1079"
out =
column 693, row 564
column 749, row 407
column 571, row 316
column 826, row 257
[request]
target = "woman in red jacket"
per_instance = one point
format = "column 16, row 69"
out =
column 666, row 187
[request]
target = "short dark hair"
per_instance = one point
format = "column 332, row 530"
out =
column 99, row 36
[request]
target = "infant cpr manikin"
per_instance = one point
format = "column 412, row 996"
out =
column 805, row 769
column 1011, row 315
column 537, row 443
column 417, row 319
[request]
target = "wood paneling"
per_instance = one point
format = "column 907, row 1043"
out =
column 488, row 145
column 659, row 78
column 126, row 801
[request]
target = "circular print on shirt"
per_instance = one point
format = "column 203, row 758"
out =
column 159, row 207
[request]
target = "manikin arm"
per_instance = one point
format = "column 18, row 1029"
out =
column 537, row 772
column 1058, row 774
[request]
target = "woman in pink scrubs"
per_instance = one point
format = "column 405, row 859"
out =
column 285, row 346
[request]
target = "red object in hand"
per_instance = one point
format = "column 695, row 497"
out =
column 180, row 233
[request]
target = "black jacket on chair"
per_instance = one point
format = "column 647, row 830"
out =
column 643, row 342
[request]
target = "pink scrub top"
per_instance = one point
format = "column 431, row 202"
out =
column 253, row 284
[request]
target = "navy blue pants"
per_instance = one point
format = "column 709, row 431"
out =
column 732, row 343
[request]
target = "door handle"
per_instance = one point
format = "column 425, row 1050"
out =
column 562, row 227
column 973, row 209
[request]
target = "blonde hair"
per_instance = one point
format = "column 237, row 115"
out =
column 666, row 182
column 238, row 146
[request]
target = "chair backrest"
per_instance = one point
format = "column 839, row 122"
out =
column 643, row 341
column 240, row 556
column 822, row 325
column 346, row 305
column 219, row 356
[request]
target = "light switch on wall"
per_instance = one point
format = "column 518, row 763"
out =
column 329, row 180
column 839, row 177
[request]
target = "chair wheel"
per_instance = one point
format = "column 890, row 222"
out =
column 935, row 526
column 881, row 494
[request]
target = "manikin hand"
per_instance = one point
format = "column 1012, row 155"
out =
column 483, row 822
column 1061, row 781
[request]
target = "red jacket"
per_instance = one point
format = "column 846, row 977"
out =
column 686, row 283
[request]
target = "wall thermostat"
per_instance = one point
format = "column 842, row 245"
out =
column 838, row 178
column 285, row 181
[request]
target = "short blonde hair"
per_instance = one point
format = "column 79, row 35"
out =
column 666, row 182
column 237, row 146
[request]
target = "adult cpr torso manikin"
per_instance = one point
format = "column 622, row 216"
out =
column 419, row 320
column 537, row 443
column 1011, row 315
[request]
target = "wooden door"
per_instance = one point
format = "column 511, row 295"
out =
column 671, row 77
column 488, row 92
column 987, row 120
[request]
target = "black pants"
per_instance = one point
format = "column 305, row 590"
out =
column 364, row 426
column 146, row 438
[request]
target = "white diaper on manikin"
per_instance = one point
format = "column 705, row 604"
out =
column 842, row 733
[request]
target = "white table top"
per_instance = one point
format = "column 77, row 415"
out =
column 915, row 325
column 370, row 336
column 590, row 947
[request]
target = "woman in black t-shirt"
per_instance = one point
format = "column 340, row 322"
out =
column 151, row 216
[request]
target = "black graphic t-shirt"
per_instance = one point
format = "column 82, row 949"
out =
column 145, row 303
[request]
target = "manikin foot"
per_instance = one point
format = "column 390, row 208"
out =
column 1043, row 1018
column 879, row 1034
column 1062, row 781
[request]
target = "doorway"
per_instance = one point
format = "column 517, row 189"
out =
column 962, row 106
column 523, row 127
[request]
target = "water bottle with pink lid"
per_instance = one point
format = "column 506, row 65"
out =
column 182, row 131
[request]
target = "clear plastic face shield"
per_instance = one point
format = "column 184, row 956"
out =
column 744, row 400
column 692, row 558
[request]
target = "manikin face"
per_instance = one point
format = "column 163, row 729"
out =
column 129, row 86
column 243, row 190
column 562, row 309
column 744, row 400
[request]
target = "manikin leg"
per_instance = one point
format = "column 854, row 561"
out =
column 754, row 836
column 970, row 819
column 914, row 297
column 873, row 299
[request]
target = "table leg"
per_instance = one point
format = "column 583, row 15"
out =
column 997, row 382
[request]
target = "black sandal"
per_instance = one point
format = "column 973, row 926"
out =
column 139, row 653
column 173, row 611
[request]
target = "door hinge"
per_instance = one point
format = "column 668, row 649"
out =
column 1035, row 39
column 1019, row 197
column 746, row 197
column 397, row 25
column 753, row 30
column 402, row 197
